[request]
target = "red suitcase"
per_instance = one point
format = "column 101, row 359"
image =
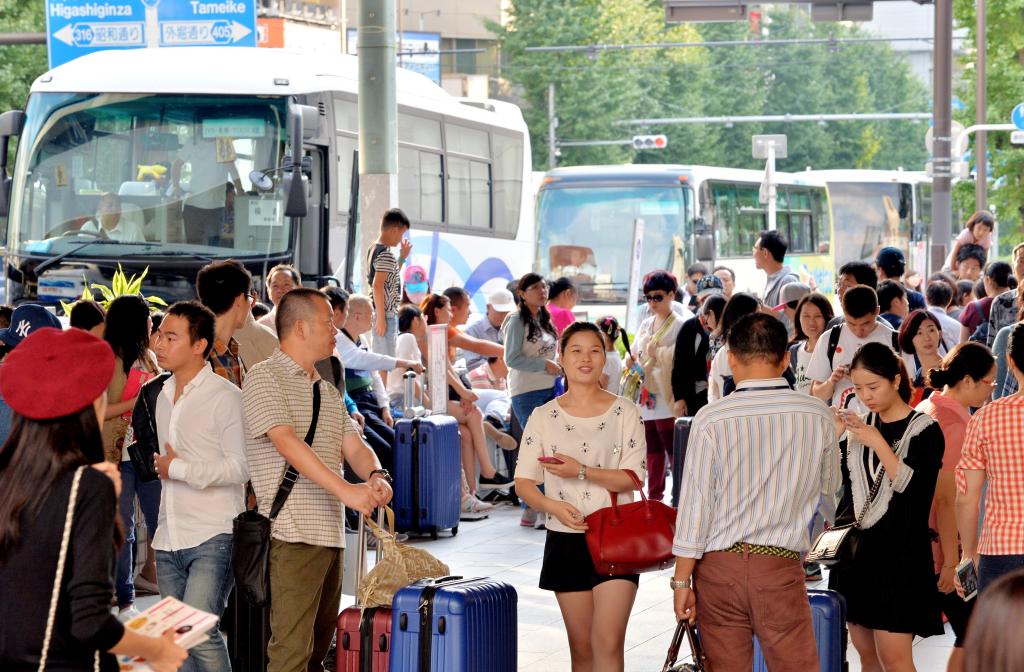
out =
column 364, row 640
column 364, row 634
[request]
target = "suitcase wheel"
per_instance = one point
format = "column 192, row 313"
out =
column 433, row 534
column 455, row 530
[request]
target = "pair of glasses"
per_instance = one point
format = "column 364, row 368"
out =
column 654, row 298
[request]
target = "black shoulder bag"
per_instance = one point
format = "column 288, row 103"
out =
column 250, row 550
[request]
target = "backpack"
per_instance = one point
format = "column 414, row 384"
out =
column 980, row 334
column 833, row 343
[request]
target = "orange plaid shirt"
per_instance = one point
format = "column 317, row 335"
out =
column 995, row 444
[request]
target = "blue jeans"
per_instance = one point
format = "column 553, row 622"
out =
column 524, row 404
column 388, row 343
column 149, row 498
column 991, row 567
column 201, row 578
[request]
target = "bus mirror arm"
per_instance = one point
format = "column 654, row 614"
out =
column 11, row 123
column 295, row 206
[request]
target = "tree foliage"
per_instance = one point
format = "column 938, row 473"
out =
column 594, row 91
column 21, row 63
column 1004, row 90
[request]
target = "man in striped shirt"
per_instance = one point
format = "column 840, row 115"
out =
column 756, row 465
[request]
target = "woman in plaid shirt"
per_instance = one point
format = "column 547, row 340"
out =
column 993, row 452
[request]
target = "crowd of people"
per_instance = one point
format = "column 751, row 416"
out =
column 900, row 412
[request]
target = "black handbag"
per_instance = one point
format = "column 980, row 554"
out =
column 250, row 550
column 838, row 545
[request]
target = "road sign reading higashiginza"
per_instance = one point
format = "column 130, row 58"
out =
column 78, row 27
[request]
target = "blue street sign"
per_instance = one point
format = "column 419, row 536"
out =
column 1017, row 116
column 77, row 27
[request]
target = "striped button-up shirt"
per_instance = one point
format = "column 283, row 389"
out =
column 756, row 465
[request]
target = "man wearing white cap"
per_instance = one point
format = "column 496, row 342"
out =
column 488, row 327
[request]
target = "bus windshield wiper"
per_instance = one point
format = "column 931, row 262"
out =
column 47, row 263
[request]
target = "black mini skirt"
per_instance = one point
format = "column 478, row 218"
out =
column 568, row 567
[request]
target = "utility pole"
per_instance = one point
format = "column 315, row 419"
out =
column 981, row 109
column 378, row 113
column 552, row 129
column 942, row 197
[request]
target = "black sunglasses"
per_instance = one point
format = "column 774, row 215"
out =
column 654, row 298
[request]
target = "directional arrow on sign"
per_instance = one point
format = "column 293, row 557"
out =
column 113, row 34
column 180, row 33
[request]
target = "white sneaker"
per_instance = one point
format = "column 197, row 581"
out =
column 128, row 613
column 474, row 509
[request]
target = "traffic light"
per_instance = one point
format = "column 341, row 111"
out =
column 650, row 141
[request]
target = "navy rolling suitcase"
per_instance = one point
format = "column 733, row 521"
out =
column 680, row 436
column 428, row 475
column 454, row 625
column 828, row 614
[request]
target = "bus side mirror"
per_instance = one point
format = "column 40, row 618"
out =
column 705, row 245
column 11, row 123
column 305, row 122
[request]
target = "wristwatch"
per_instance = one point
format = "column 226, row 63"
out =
column 678, row 585
column 583, row 473
column 383, row 474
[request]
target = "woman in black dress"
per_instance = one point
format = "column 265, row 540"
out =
column 889, row 587
column 58, row 517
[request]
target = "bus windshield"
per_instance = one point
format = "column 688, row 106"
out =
column 150, row 175
column 585, row 234
column 868, row 216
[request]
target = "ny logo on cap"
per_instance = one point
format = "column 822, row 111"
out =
column 23, row 328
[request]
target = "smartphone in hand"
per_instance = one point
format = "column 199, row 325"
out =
column 968, row 576
column 550, row 460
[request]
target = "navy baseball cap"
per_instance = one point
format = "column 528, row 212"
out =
column 888, row 256
column 27, row 318
column 708, row 285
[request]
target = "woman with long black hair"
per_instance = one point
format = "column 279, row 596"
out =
column 890, row 465
column 58, row 518
column 127, row 331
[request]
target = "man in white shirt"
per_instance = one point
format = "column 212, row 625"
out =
column 829, row 367
column 110, row 223
column 487, row 327
column 938, row 295
column 281, row 279
column 203, row 467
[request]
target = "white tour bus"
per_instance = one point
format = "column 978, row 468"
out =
column 875, row 208
column 585, row 218
column 193, row 146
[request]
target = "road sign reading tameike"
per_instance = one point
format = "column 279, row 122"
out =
column 78, row 27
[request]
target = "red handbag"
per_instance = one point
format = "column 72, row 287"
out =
column 631, row 538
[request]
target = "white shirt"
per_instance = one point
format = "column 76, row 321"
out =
column 719, row 370
column 406, row 347
column 820, row 370
column 950, row 327
column 612, row 440
column 757, row 463
column 354, row 357
column 204, row 492
column 270, row 320
column 803, row 360
column 124, row 232
column 613, row 369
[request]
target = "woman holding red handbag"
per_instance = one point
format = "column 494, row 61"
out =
column 579, row 446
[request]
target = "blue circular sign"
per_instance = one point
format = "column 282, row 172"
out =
column 1017, row 116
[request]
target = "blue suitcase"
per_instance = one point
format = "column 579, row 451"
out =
column 428, row 475
column 454, row 625
column 828, row 614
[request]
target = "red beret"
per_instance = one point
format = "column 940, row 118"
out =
column 53, row 373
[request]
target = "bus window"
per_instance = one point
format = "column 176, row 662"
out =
column 822, row 221
column 419, row 184
column 507, row 182
column 469, row 193
column 739, row 217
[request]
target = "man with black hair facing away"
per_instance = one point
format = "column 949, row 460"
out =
column 769, row 253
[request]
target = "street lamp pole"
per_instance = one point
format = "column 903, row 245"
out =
column 981, row 108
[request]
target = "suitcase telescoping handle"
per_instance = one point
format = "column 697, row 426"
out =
column 409, row 392
column 361, row 548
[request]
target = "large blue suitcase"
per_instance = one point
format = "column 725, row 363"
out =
column 828, row 614
column 428, row 480
column 454, row 625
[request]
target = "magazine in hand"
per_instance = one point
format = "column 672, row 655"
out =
column 189, row 624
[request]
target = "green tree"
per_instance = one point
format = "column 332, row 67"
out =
column 21, row 63
column 1005, row 72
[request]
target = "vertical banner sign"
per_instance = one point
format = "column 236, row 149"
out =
column 633, row 293
column 437, row 381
